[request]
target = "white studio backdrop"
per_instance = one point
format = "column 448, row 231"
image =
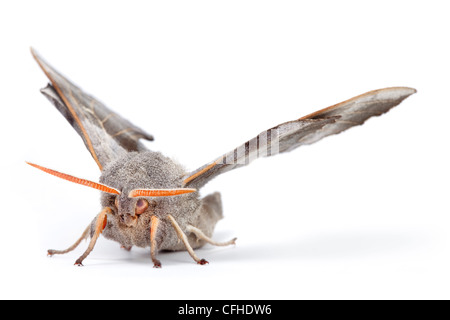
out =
column 363, row 214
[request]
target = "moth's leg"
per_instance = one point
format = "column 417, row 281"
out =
column 127, row 248
column 182, row 237
column 154, row 223
column 199, row 233
column 85, row 235
column 100, row 224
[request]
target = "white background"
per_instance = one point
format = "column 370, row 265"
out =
column 361, row 215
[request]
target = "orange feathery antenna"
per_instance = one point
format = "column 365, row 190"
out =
column 83, row 182
column 159, row 192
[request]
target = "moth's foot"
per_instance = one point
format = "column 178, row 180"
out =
column 78, row 263
column 50, row 252
column 202, row 262
column 127, row 248
column 156, row 264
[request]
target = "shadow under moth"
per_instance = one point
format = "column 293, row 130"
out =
column 147, row 199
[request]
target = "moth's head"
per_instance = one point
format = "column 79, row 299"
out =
column 133, row 186
column 129, row 209
column 148, row 182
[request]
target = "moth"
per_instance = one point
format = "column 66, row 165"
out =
column 148, row 199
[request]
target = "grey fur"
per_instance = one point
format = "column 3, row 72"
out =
column 152, row 170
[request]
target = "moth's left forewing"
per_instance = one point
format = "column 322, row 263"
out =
column 306, row 130
column 270, row 142
column 357, row 110
column 106, row 135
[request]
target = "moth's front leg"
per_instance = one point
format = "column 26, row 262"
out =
column 100, row 224
column 182, row 236
column 154, row 224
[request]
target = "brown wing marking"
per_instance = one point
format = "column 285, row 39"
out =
column 199, row 173
column 333, row 107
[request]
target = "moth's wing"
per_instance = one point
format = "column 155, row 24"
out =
column 306, row 130
column 106, row 135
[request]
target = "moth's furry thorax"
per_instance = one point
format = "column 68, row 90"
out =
column 146, row 169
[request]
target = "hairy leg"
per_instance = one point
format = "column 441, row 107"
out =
column 154, row 223
column 99, row 226
column 200, row 235
column 85, row 235
column 182, row 237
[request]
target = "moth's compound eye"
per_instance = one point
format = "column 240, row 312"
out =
column 141, row 206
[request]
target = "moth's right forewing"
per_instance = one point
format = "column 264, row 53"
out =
column 106, row 135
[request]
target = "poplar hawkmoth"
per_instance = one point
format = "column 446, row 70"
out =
column 148, row 199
